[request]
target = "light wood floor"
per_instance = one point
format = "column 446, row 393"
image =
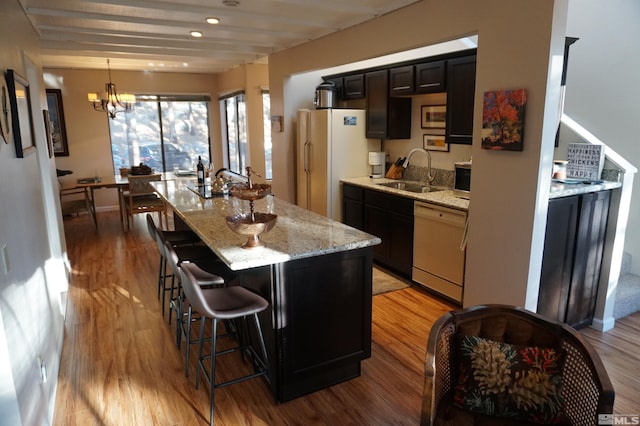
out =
column 120, row 365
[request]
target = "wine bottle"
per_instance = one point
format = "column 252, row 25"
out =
column 200, row 170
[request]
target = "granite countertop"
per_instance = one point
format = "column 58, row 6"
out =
column 444, row 198
column 298, row 233
column 447, row 198
column 559, row 189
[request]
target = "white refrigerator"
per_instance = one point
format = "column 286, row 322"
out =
column 331, row 145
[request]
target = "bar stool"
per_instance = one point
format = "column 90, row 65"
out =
column 226, row 303
column 185, row 243
column 212, row 273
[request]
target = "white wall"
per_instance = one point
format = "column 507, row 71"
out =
column 603, row 85
column 30, row 305
column 520, row 45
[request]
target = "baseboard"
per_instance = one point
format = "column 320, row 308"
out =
column 603, row 325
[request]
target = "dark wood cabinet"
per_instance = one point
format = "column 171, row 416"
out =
column 353, row 87
column 339, row 83
column 387, row 118
column 572, row 259
column 386, row 216
column 401, row 81
column 391, row 218
column 353, row 206
column 317, row 328
column 429, row 77
column 461, row 83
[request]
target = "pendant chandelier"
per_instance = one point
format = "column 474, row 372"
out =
column 109, row 101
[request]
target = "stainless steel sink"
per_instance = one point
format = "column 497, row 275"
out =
column 411, row 187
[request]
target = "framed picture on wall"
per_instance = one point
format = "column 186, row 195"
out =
column 21, row 118
column 47, row 130
column 433, row 116
column 435, row 143
column 56, row 118
column 503, row 119
column 5, row 111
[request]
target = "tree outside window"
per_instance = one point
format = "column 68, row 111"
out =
column 160, row 132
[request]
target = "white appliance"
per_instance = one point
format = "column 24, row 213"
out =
column 331, row 145
column 438, row 249
column 376, row 161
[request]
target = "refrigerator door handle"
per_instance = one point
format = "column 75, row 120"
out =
column 307, row 170
column 307, row 155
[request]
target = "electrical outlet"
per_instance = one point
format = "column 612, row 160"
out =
column 6, row 266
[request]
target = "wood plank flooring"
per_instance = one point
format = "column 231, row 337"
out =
column 120, row 365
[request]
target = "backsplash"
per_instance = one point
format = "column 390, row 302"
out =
column 442, row 178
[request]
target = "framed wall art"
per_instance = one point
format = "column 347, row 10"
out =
column 5, row 111
column 435, row 143
column 58, row 127
column 47, row 130
column 21, row 118
column 433, row 116
column 503, row 119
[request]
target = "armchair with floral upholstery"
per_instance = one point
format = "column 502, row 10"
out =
column 501, row 365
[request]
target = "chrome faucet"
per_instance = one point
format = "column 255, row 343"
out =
column 430, row 177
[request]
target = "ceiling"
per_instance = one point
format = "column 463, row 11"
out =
column 155, row 34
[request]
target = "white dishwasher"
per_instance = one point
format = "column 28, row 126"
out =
column 438, row 260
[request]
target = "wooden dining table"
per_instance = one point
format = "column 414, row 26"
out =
column 121, row 183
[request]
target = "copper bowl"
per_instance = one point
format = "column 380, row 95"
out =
column 244, row 224
column 256, row 192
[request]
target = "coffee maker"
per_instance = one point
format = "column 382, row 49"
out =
column 376, row 162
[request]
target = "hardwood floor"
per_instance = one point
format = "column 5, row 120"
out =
column 120, row 365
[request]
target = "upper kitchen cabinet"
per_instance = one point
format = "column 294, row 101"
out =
column 461, row 84
column 401, row 81
column 387, row 117
column 353, row 87
column 430, row 77
column 339, row 83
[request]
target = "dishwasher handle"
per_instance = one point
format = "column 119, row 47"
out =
column 443, row 215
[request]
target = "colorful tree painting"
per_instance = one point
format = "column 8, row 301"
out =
column 503, row 119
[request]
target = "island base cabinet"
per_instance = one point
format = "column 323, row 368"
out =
column 318, row 326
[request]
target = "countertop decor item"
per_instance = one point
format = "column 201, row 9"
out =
column 252, row 223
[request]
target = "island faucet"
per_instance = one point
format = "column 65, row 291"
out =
column 430, row 177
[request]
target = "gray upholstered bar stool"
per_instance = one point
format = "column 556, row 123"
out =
column 220, row 304
column 214, row 273
column 185, row 238
column 186, row 245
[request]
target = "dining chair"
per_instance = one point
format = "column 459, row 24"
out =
column 141, row 198
column 76, row 200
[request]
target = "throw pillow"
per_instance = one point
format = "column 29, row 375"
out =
column 503, row 380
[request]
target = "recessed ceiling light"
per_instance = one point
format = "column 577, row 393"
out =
column 196, row 34
column 230, row 3
column 213, row 20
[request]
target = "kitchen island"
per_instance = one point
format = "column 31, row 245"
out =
column 316, row 274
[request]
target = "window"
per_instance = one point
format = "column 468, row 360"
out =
column 162, row 131
column 235, row 108
column 266, row 111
